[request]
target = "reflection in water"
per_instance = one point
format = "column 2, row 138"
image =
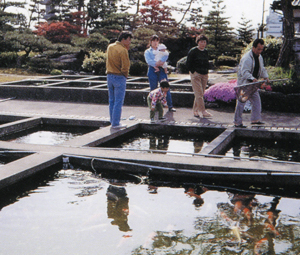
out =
column 286, row 150
column 165, row 143
column 250, row 222
column 195, row 192
column 78, row 212
column 47, row 135
column 117, row 207
column 243, row 226
column 44, row 137
column 160, row 143
column 198, row 146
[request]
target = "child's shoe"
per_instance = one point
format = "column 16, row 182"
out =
column 152, row 120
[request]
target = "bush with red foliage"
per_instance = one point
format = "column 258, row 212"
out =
column 58, row 32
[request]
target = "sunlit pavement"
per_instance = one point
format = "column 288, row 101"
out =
column 221, row 116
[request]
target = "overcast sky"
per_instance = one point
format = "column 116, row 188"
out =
column 252, row 10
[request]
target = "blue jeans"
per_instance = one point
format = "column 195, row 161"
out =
column 154, row 78
column 116, row 93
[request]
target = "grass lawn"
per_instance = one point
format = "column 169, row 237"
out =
column 14, row 74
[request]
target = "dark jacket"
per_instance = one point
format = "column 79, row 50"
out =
column 197, row 60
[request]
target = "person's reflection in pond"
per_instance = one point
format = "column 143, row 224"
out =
column 236, row 150
column 152, row 143
column 152, row 189
column 162, row 143
column 272, row 215
column 195, row 192
column 198, row 146
column 117, row 206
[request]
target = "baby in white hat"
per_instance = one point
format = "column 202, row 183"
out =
column 161, row 54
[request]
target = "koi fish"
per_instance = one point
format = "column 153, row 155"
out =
column 270, row 227
column 235, row 229
column 123, row 240
column 125, row 210
column 126, row 236
column 261, row 246
column 236, row 232
column 271, row 217
column 226, row 218
column 247, row 213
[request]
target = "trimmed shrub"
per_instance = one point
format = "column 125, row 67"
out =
column 226, row 61
column 40, row 65
column 97, row 41
column 292, row 85
column 138, row 68
column 56, row 72
column 8, row 59
column 95, row 63
column 181, row 66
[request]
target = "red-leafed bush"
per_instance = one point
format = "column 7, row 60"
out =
column 57, row 32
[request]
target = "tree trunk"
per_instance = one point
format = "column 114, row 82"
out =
column 286, row 52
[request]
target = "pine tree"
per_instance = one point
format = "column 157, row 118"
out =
column 216, row 27
column 105, row 17
column 9, row 20
column 35, row 11
column 245, row 31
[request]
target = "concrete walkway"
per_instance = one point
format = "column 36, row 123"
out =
column 223, row 116
column 45, row 155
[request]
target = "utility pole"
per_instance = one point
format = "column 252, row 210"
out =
column 262, row 21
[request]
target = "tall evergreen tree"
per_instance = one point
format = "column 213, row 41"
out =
column 220, row 34
column 9, row 20
column 245, row 31
column 100, row 10
column 36, row 12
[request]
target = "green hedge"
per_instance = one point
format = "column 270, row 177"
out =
column 226, row 61
column 138, row 68
column 8, row 59
column 40, row 65
column 181, row 66
column 96, row 64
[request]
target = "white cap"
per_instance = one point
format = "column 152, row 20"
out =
column 161, row 46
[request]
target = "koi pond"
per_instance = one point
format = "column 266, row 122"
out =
column 47, row 135
column 286, row 150
column 80, row 212
column 165, row 143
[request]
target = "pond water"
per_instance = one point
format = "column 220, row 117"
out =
column 166, row 143
column 47, row 135
column 79, row 212
column 286, row 150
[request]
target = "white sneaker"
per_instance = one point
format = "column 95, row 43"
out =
column 119, row 126
column 152, row 120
